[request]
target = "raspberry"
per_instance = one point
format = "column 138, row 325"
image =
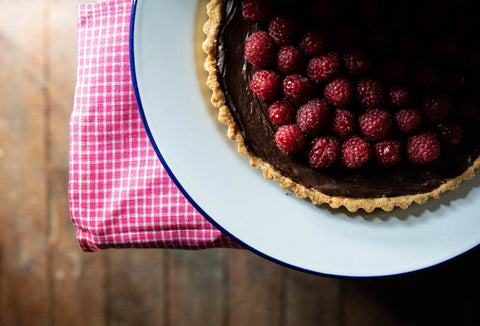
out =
column 370, row 93
column 393, row 71
column 357, row 63
column 289, row 60
column 423, row 148
column 388, row 152
column 313, row 117
column 313, row 43
column 398, row 97
column 281, row 112
column 442, row 49
column 431, row 16
column 379, row 40
column 325, row 11
column 399, row 16
column 323, row 68
column 338, row 92
column 266, row 85
column 284, row 30
column 260, row 50
column 355, row 152
column 466, row 111
column 472, row 55
column 257, row 10
column 436, row 107
column 454, row 81
column 408, row 120
column 423, row 75
column 369, row 12
column 324, row 152
column 409, row 45
column 345, row 36
column 297, row 88
column 290, row 139
column 449, row 132
column 375, row 124
column 344, row 123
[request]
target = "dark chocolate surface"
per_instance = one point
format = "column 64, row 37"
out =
column 251, row 115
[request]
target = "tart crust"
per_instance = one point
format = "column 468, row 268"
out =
column 211, row 29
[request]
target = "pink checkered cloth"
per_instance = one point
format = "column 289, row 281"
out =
column 120, row 194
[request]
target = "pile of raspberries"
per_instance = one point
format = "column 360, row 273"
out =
column 359, row 92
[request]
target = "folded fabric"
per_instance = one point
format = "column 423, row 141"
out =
column 120, row 195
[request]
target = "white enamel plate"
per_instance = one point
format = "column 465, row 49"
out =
column 256, row 212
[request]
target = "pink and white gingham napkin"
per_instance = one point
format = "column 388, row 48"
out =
column 120, row 194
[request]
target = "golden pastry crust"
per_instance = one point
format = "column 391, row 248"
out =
column 211, row 28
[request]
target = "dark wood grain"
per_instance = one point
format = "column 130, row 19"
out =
column 77, row 280
column 196, row 287
column 46, row 280
column 256, row 290
column 24, row 284
column 312, row 300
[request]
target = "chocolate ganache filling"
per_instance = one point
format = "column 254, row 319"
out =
column 370, row 181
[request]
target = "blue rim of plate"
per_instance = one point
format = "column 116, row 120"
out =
column 197, row 206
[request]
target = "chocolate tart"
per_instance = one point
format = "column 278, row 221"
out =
column 368, row 187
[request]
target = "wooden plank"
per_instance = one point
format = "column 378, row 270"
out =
column 256, row 290
column 24, row 290
column 425, row 297
column 136, row 287
column 312, row 300
column 76, row 278
column 196, row 287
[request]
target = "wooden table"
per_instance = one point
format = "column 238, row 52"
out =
column 46, row 280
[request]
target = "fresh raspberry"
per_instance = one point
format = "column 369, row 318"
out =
column 313, row 43
column 454, row 81
column 398, row 97
column 423, row 75
column 290, row 139
column 369, row 11
column 297, row 88
column 431, row 16
column 399, row 16
column 375, row 124
column 464, row 21
column 324, row 152
column 313, row 117
column 325, row 12
column 436, row 107
column 281, row 112
column 260, row 50
column 338, row 92
column 442, row 49
column 423, row 148
column 466, row 111
column 344, row 123
column 472, row 55
column 355, row 152
column 393, row 71
column 289, row 60
column 408, row 120
column 258, row 11
column 409, row 45
column 345, row 35
column 357, row 63
column 324, row 68
column 266, row 85
column 449, row 132
column 379, row 40
column 370, row 93
column 284, row 30
column 388, row 152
